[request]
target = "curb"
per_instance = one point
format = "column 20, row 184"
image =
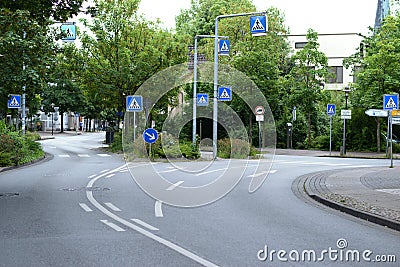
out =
column 357, row 213
column 301, row 188
column 45, row 158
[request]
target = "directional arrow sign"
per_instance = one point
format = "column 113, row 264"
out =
column 150, row 135
column 376, row 113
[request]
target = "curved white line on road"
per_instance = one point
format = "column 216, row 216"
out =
column 182, row 251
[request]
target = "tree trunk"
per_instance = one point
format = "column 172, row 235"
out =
column 62, row 122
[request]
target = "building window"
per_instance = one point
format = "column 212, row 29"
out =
column 338, row 74
column 299, row 45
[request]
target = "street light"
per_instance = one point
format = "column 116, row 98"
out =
column 346, row 95
column 215, row 98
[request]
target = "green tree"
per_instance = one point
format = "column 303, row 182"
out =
column 42, row 10
column 377, row 69
column 309, row 71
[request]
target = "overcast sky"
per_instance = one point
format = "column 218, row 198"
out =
column 324, row 16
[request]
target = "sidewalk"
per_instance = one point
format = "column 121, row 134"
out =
column 372, row 193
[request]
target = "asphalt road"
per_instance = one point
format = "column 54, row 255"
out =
column 82, row 207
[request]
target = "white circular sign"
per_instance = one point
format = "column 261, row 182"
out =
column 259, row 110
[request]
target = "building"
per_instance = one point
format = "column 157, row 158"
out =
column 337, row 47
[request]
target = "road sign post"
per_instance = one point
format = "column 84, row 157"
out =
column 331, row 111
column 390, row 103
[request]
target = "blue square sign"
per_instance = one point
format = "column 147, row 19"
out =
column 202, row 100
column 134, row 103
column 331, row 109
column 224, row 47
column 14, row 101
column 258, row 25
column 224, row 94
column 390, row 102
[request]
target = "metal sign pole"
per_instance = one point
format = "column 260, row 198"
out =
column 391, row 138
column 330, row 135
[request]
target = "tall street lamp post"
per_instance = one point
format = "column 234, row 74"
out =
column 215, row 98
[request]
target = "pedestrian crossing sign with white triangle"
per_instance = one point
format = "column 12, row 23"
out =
column 225, row 94
column 68, row 31
column 331, row 109
column 224, row 47
column 14, row 101
column 134, row 103
column 390, row 102
column 258, row 25
column 202, row 100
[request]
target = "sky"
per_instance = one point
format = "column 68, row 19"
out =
column 324, row 16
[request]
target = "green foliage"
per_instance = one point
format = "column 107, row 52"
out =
column 16, row 149
column 168, row 146
column 116, row 145
column 235, row 148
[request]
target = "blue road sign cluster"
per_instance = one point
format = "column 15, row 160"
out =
column 224, row 94
column 134, row 103
column 14, row 101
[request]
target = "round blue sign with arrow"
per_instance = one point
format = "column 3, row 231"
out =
column 150, row 135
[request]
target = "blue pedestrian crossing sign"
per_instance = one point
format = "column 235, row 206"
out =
column 258, row 25
column 14, row 101
column 134, row 103
column 150, row 135
column 68, row 31
column 224, row 47
column 202, row 100
column 224, row 94
column 331, row 109
column 390, row 102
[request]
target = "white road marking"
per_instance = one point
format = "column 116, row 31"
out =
column 111, row 206
column 158, row 209
column 103, row 171
column 64, row 156
column 172, row 187
column 144, row 224
column 184, row 252
column 261, row 173
column 83, row 155
column 104, row 155
column 216, row 170
column 172, row 170
column 92, row 176
column 358, row 166
column 390, row 191
column 85, row 207
column 110, row 175
column 113, row 226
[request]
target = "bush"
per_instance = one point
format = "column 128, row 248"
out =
column 235, row 148
column 16, row 149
